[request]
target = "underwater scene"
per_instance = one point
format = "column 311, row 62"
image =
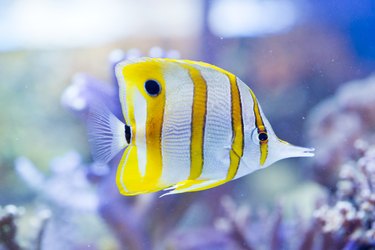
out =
column 171, row 125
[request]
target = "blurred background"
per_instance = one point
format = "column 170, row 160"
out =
column 309, row 62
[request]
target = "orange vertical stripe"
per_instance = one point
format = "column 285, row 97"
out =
column 263, row 145
column 198, row 119
column 237, row 129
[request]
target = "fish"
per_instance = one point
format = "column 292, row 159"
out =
column 189, row 126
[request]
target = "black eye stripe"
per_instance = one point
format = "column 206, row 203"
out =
column 262, row 136
column 152, row 87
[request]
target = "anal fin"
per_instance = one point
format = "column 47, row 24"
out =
column 193, row 186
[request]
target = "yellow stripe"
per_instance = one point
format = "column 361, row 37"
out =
column 198, row 119
column 153, row 139
column 237, row 129
column 135, row 75
column 263, row 145
column 155, row 118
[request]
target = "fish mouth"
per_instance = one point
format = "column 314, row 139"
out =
column 287, row 150
column 309, row 152
column 290, row 150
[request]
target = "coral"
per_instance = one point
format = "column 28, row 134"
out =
column 335, row 125
column 350, row 219
column 66, row 201
column 8, row 229
column 67, row 169
column 14, row 220
column 342, row 130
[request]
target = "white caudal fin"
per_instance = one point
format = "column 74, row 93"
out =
column 106, row 134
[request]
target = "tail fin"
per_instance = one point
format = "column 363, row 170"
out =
column 106, row 134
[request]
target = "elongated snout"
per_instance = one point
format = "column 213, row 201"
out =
column 279, row 149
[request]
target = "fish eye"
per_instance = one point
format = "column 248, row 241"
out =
column 152, row 87
column 258, row 137
column 262, row 136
